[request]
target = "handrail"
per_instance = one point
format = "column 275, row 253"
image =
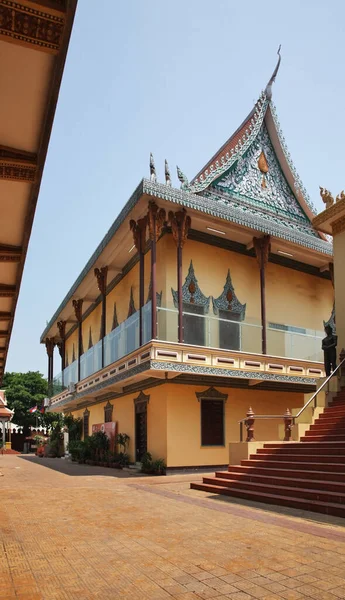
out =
column 314, row 396
column 288, row 418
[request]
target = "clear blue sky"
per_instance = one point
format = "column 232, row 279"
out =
column 174, row 77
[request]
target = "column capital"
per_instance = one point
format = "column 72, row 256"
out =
column 156, row 218
column 101, row 276
column 180, row 225
column 78, row 309
column 61, row 325
column 262, row 248
column 50, row 344
column 139, row 232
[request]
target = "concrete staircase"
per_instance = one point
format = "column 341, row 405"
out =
column 308, row 475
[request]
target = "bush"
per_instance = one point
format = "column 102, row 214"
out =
column 75, row 449
column 152, row 467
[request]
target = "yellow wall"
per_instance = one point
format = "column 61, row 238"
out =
column 72, row 339
column 121, row 295
column 93, row 321
column 124, row 415
column 339, row 281
column 292, row 297
column 174, row 421
column 184, row 421
column 297, row 298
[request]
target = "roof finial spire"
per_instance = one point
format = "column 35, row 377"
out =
column 153, row 174
column 167, row 173
column 268, row 90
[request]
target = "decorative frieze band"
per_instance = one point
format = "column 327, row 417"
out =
column 19, row 23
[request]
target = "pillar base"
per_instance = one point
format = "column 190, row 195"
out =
column 8, row 445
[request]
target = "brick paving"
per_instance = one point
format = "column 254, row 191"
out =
column 71, row 531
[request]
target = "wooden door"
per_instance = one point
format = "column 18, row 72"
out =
column 140, row 430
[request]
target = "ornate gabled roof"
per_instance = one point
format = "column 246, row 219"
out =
column 254, row 170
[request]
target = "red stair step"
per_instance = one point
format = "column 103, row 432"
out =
column 284, row 481
column 314, row 506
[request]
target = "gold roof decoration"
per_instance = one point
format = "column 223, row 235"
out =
column 327, row 197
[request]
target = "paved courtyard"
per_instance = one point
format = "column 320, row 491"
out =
column 72, row 531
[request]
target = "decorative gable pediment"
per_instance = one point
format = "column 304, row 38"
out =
column 191, row 293
column 257, row 179
column 228, row 300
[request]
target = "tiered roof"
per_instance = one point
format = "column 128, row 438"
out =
column 253, row 172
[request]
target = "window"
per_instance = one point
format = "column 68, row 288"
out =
column 193, row 325
column 86, row 416
column 212, row 422
column 229, row 333
column 108, row 413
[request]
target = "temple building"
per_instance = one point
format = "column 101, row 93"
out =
column 199, row 303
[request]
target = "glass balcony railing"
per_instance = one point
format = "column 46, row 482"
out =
column 199, row 330
column 209, row 330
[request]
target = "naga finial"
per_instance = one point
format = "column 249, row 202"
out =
column 167, row 173
column 268, row 90
column 182, row 178
column 327, row 197
column 340, row 196
column 153, row 174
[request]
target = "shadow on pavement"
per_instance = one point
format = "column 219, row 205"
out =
column 67, row 467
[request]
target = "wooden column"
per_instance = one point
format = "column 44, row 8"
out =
column 50, row 343
column 262, row 249
column 78, row 311
column 156, row 219
column 180, row 225
column 139, row 237
column 101, row 276
column 62, row 345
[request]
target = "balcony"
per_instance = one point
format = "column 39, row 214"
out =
column 212, row 341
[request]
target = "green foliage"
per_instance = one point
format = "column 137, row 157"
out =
column 153, row 467
column 23, row 391
column 76, row 448
column 74, row 426
column 122, row 440
column 39, row 440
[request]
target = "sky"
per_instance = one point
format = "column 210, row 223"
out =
column 174, row 78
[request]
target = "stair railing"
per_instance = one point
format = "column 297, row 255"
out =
column 288, row 419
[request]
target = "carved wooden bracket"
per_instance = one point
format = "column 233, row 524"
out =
column 139, row 233
column 50, row 344
column 180, row 226
column 61, row 325
column 101, row 276
column 262, row 248
column 156, row 219
column 78, row 309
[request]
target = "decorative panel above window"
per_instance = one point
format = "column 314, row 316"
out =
column 191, row 293
column 108, row 412
column 229, row 309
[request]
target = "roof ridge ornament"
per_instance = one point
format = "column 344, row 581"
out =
column 153, row 173
column 167, row 173
column 268, row 90
column 182, row 178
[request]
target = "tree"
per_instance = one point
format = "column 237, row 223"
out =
column 23, row 391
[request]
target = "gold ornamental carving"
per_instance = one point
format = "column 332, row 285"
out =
column 25, row 25
column 263, row 166
column 338, row 226
column 327, row 197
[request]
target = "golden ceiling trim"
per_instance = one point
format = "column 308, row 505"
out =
column 338, row 226
column 25, row 25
